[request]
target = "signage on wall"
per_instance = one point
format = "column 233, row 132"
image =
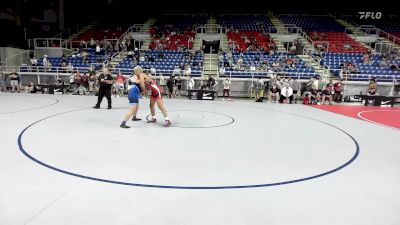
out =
column 370, row 15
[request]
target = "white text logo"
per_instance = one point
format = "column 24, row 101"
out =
column 372, row 15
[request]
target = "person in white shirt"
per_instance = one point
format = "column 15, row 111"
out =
column 191, row 83
column 252, row 68
column 270, row 73
column 162, row 82
column 141, row 59
column 176, row 72
column 45, row 61
column 34, row 61
column 70, row 68
column 153, row 71
column 227, row 88
column 97, row 49
column 222, row 70
column 188, row 70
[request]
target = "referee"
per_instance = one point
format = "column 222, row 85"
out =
column 105, row 81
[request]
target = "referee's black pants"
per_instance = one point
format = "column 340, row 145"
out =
column 102, row 93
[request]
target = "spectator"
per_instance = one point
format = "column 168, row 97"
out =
column 48, row 67
column 211, row 83
column 252, row 68
column 81, row 90
column 153, row 71
column 120, row 84
column 394, row 67
column 72, row 81
column 176, row 72
column 310, row 93
column 70, row 68
column 92, row 81
column 327, row 93
column 85, row 80
column 63, row 58
column 383, row 63
column 227, row 88
column 292, row 49
column 31, row 88
column 366, row 59
column 45, row 61
column 188, row 70
column 105, row 81
column 84, row 55
column 98, row 49
column 92, row 43
column 191, row 83
column 337, row 97
column 3, row 79
column 258, row 86
column 396, row 87
column 78, row 80
column 295, row 85
column 82, row 44
column 162, row 81
column 372, row 87
column 178, row 84
column 274, row 93
column 14, row 77
column 34, row 61
column 130, row 54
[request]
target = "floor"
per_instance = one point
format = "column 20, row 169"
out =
column 221, row 162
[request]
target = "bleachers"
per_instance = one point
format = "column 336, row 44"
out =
column 173, row 41
column 181, row 22
column 76, row 61
column 256, row 39
column 313, row 23
column 101, row 33
column 246, row 22
column 253, row 58
column 337, row 42
column 165, row 62
column 334, row 60
column 175, row 32
column 390, row 25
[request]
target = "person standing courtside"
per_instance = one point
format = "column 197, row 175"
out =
column 105, row 82
column 14, row 80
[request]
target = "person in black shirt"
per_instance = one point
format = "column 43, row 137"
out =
column 105, row 81
column 170, row 85
column 211, row 83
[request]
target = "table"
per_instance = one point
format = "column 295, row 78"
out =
column 199, row 94
column 53, row 88
column 380, row 99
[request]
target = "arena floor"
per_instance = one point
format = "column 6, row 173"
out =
column 222, row 162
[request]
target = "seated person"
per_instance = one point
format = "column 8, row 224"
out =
column 81, row 90
column 338, row 91
column 327, row 93
column 311, row 95
column 31, row 88
column 274, row 92
column 372, row 87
